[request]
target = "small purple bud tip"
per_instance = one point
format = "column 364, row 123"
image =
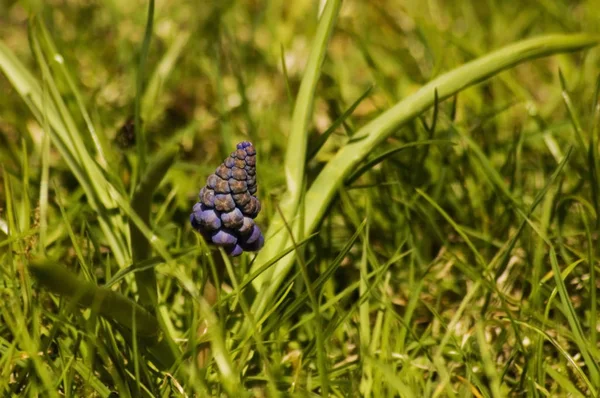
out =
column 223, row 238
column 244, row 145
column 235, row 251
column 254, row 235
column 256, row 246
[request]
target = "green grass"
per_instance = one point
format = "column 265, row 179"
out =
column 429, row 178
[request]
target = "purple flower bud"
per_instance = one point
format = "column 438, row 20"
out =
column 198, row 206
column 222, row 186
column 258, row 206
column 211, row 181
column 240, row 154
column 243, row 145
column 254, row 235
column 224, row 202
column 207, row 197
column 256, row 246
column 250, row 151
column 238, row 174
column 195, row 225
column 234, row 219
column 223, row 238
column 251, row 208
column 223, row 172
column 224, row 215
column 241, row 198
column 235, row 251
column 207, row 218
column 247, row 226
column 237, row 186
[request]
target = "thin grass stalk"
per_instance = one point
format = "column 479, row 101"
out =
column 140, row 137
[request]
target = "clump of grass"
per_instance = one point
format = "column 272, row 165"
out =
column 431, row 208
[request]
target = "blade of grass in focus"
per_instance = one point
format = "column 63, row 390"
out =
column 589, row 353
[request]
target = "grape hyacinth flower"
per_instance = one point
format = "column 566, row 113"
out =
column 227, row 206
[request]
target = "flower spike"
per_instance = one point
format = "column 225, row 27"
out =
column 227, row 204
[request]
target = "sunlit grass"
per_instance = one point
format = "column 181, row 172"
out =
column 428, row 176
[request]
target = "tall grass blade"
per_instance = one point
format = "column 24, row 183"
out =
column 140, row 136
column 295, row 158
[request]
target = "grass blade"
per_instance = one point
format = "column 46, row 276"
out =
column 140, row 137
column 589, row 353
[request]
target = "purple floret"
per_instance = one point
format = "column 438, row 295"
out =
column 235, row 251
column 244, row 145
column 253, row 247
column 224, row 237
column 233, row 220
column 207, row 218
column 254, row 235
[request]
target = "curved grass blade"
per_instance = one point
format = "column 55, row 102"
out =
column 146, row 264
column 155, row 86
column 322, row 191
column 112, row 305
column 576, row 368
column 53, row 54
